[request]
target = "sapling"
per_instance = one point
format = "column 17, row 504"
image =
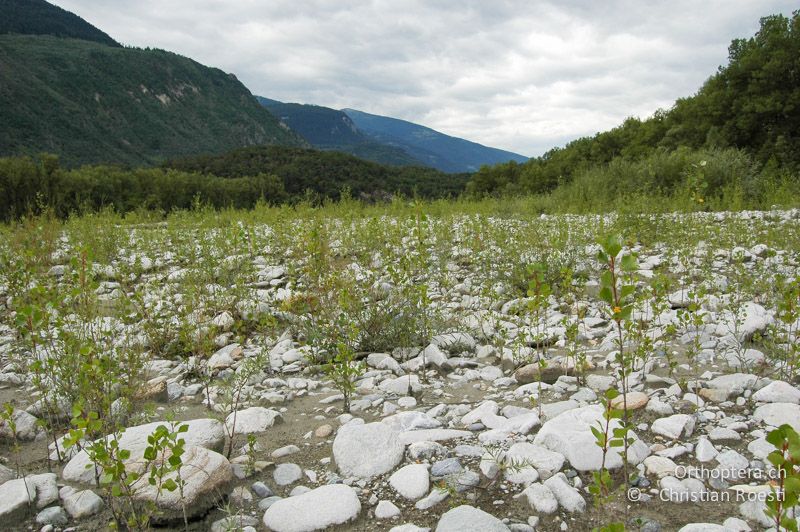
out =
column 785, row 488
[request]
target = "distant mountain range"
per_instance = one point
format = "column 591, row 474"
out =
column 68, row 88
column 385, row 140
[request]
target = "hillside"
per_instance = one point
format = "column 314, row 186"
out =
column 324, row 173
column 739, row 135
column 332, row 130
column 429, row 147
column 37, row 17
column 88, row 103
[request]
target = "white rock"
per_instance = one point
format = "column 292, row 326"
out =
column 674, row 426
column 567, row 496
column 466, row 518
column 386, row 510
column 403, row 421
column 778, row 392
column 777, row 414
column 82, row 503
column 570, row 435
column 208, row 433
column 541, row 498
column 400, row 385
column 705, row 451
column 659, row 466
column 323, row 507
column 252, row 420
column 367, row 450
column 225, row 357
column 413, row 436
column 286, row 474
column 411, row 481
column 15, row 497
column 529, row 457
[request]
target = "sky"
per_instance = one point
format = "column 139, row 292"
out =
column 521, row 75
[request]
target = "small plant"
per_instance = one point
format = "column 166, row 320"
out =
column 785, row 494
column 344, row 371
column 163, row 453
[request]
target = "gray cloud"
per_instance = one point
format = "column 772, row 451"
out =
column 520, row 75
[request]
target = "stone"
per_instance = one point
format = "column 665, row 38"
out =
column 732, row 383
column 367, row 450
column 286, row 450
column 238, row 522
column 448, row 466
column 286, row 474
column 540, row 498
column 401, row 385
column 403, row 421
column 674, row 426
column 467, row 518
column 540, row 460
column 323, row 431
column 635, row 401
column 84, row 503
column 778, row 392
column 26, row 426
column 408, row 527
column 777, row 414
column 55, row 515
column 206, row 475
column 15, row 499
column 570, row 435
column 252, row 420
column 386, row 510
column 704, row 527
column 567, row 496
column 659, row 466
column 411, row 481
column 261, row 489
column 208, row 433
column 412, row 436
column 724, row 434
column 225, row 357
column 320, row 508
column 46, row 489
column 705, row 451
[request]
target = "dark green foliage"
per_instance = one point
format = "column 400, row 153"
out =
column 37, row 17
column 326, row 174
column 30, row 186
column 329, row 129
column 91, row 103
column 747, row 114
column 429, row 147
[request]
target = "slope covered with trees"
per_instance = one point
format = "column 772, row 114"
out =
column 746, row 116
column 37, row 17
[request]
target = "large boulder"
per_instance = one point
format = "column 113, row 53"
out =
column 778, row 392
column 208, row 433
column 777, row 414
column 16, row 499
column 206, row 475
column 317, row 509
column 252, row 420
column 367, row 450
column 570, row 435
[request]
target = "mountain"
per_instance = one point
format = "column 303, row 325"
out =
column 37, row 17
column 332, row 130
column 431, row 148
column 324, row 173
column 384, row 140
column 93, row 102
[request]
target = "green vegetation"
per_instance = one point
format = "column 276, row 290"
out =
column 742, row 123
column 37, row 17
column 92, row 103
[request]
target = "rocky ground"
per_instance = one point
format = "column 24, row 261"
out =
column 461, row 430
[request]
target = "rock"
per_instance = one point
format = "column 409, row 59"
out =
column 659, row 466
column 261, row 489
column 408, row 527
column 448, row 466
column 570, row 435
column 401, row 385
column 367, row 450
column 55, row 515
column 466, row 518
column 752, row 318
column 206, row 475
column 705, row 451
column 6, row 474
column 674, row 426
column 531, row 373
column 386, row 510
column 323, row 431
column 412, row 436
column 413, row 420
column 225, row 357
column 252, row 420
column 704, row 527
column 486, row 409
column 26, row 426
column 286, row 474
column 777, row 414
column 777, row 392
column 411, row 481
column 723, row 434
column 238, row 522
column 323, row 507
column 46, row 489
column 541, row 499
column 431, row 500
column 82, row 504
column 208, row 433
column 544, row 463
column 16, row 497
column 635, row 400
column 567, row 496
column 732, row 383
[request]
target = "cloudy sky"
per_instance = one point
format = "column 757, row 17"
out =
column 522, row 75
